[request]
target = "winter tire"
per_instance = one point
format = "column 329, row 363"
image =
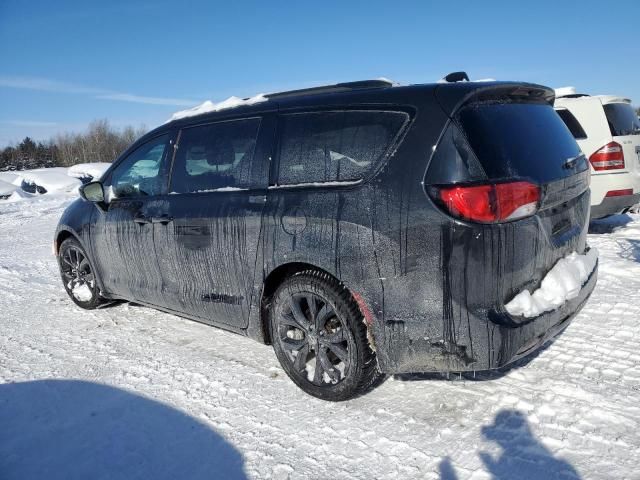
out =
column 77, row 274
column 320, row 338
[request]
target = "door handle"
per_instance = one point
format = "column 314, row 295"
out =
column 164, row 219
column 141, row 220
column 257, row 198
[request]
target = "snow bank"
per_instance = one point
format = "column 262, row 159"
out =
column 84, row 170
column 18, row 195
column 6, row 188
column 563, row 282
column 52, row 179
column 11, row 177
column 209, row 106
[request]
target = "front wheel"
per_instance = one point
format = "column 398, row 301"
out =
column 320, row 338
column 78, row 278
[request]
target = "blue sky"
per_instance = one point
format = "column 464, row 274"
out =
column 65, row 63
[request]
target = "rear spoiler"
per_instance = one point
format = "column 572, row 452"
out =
column 452, row 96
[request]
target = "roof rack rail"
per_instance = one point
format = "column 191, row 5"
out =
column 338, row 87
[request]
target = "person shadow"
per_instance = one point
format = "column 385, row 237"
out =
column 523, row 457
column 67, row 429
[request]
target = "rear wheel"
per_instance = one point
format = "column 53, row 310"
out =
column 78, row 277
column 320, row 338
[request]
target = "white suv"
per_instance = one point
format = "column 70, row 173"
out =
column 608, row 131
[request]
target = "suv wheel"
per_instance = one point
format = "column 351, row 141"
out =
column 78, row 278
column 320, row 338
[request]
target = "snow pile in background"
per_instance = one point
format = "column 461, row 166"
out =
column 13, row 178
column 84, row 170
column 60, row 180
column 209, row 106
column 19, row 194
column 52, row 179
column 564, row 91
column 561, row 283
column 6, row 188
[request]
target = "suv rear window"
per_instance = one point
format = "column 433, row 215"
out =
column 520, row 140
column 622, row 119
column 335, row 146
column 572, row 124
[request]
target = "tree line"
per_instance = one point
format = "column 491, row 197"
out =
column 101, row 142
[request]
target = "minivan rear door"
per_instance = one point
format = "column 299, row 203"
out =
column 509, row 133
column 207, row 245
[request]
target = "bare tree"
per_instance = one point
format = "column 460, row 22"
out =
column 100, row 143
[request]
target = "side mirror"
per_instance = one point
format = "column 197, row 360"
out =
column 93, row 192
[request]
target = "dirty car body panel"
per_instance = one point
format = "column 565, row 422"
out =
column 431, row 286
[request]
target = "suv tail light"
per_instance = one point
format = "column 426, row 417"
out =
column 489, row 203
column 609, row 157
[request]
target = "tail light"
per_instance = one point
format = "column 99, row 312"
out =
column 619, row 193
column 489, row 203
column 609, row 157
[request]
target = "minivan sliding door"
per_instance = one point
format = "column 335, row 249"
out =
column 217, row 193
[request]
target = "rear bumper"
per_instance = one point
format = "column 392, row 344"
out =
column 498, row 340
column 614, row 205
column 601, row 183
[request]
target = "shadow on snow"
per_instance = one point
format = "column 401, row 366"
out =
column 609, row 224
column 523, row 457
column 79, row 430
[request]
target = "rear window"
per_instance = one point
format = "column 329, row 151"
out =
column 335, row 146
column 622, row 119
column 572, row 124
column 516, row 140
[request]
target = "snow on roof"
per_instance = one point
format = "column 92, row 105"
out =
column 388, row 80
column 208, row 106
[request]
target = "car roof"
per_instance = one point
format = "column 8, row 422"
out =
column 364, row 92
column 605, row 99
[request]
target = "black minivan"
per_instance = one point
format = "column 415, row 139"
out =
column 362, row 228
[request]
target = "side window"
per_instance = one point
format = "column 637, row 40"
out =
column 572, row 124
column 216, row 156
column 143, row 172
column 335, row 146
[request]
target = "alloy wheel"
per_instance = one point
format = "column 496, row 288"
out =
column 314, row 339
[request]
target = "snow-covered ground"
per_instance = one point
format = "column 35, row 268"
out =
column 129, row 392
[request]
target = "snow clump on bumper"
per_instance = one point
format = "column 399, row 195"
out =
column 563, row 282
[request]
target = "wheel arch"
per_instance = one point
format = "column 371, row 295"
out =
column 278, row 275
column 64, row 233
column 61, row 236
